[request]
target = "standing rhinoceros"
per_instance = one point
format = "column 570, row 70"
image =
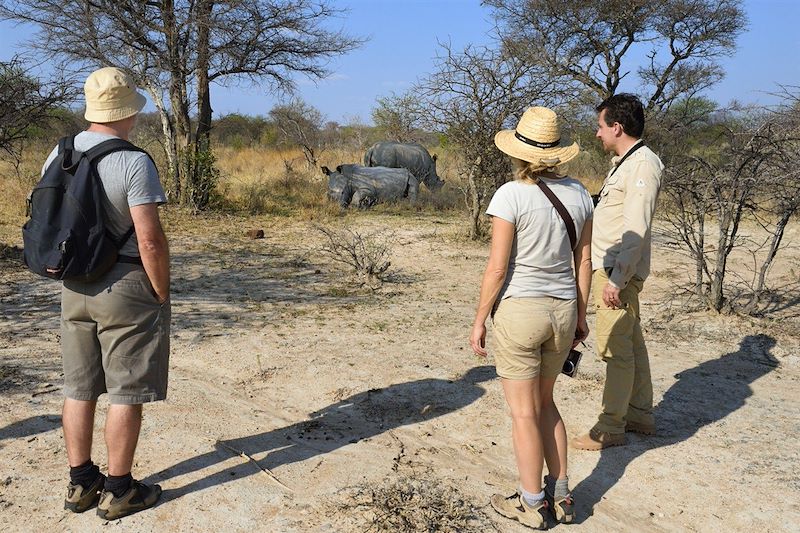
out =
column 366, row 186
column 411, row 156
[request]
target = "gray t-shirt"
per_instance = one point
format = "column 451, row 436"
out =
column 541, row 262
column 129, row 179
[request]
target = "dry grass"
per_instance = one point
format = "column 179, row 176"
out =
column 417, row 504
column 590, row 168
column 16, row 181
column 277, row 182
column 18, row 178
column 253, row 181
column 280, row 182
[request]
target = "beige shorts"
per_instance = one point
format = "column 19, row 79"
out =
column 115, row 338
column 533, row 336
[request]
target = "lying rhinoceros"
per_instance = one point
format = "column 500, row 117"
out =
column 411, row 156
column 366, row 186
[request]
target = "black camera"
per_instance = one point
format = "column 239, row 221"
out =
column 570, row 367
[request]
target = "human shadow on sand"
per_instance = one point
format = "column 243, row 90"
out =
column 30, row 426
column 348, row 421
column 702, row 395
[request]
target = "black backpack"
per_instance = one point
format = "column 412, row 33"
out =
column 66, row 236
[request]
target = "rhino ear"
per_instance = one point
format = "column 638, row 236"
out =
column 434, row 157
column 326, row 171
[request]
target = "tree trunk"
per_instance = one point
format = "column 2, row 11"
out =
column 204, row 111
column 178, row 99
column 474, row 200
column 777, row 237
column 700, row 257
column 170, row 149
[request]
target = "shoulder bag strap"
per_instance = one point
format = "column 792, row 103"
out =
column 565, row 216
column 596, row 197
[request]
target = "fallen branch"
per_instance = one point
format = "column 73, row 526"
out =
column 45, row 391
column 249, row 458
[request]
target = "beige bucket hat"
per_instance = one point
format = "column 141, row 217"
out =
column 111, row 95
column 537, row 139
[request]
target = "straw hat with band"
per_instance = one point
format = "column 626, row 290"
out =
column 537, row 139
column 111, row 95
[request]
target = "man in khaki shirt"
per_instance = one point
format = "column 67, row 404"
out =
column 621, row 256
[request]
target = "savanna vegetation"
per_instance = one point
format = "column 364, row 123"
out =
column 727, row 167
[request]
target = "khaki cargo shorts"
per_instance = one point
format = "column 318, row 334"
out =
column 115, row 338
column 533, row 336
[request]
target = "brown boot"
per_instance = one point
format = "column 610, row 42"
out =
column 636, row 427
column 597, row 440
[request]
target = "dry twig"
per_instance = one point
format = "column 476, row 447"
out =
column 249, row 458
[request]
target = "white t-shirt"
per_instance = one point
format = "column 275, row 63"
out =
column 541, row 262
column 129, row 179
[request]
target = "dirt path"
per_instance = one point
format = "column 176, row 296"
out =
column 355, row 408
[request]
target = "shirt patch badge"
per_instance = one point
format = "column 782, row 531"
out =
column 640, row 183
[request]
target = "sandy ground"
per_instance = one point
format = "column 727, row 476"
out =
column 370, row 411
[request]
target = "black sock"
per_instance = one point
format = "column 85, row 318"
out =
column 119, row 485
column 84, row 474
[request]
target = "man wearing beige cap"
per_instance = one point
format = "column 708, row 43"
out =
column 115, row 330
column 621, row 259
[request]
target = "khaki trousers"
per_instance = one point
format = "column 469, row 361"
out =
column 628, row 392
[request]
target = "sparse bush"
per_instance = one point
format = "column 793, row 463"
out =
column 419, row 505
column 202, row 177
column 366, row 253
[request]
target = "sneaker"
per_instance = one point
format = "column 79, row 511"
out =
column 80, row 498
column 138, row 498
column 515, row 508
column 643, row 429
column 562, row 509
column 597, row 440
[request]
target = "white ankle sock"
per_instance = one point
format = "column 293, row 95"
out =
column 531, row 498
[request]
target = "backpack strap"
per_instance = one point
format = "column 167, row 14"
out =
column 66, row 143
column 565, row 216
column 122, row 240
column 70, row 157
column 96, row 153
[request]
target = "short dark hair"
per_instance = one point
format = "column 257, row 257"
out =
column 626, row 109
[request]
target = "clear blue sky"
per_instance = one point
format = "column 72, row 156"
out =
column 403, row 42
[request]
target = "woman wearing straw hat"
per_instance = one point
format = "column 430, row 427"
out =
column 536, row 288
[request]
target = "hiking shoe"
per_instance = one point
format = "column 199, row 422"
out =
column 562, row 509
column 515, row 508
column 597, row 440
column 80, row 498
column 138, row 498
column 643, row 429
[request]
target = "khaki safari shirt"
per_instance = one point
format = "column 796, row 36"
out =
column 621, row 234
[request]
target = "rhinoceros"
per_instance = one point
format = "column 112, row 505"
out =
column 366, row 186
column 411, row 156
